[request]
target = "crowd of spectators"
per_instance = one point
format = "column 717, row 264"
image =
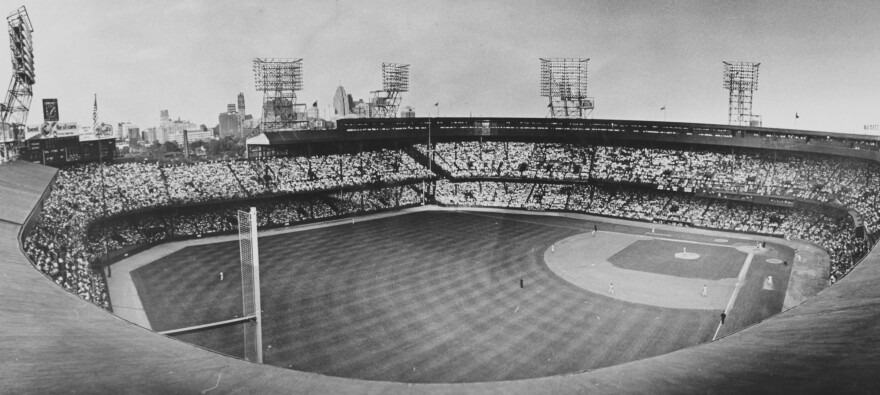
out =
column 56, row 245
column 197, row 221
column 471, row 159
column 846, row 182
column 628, row 182
column 59, row 246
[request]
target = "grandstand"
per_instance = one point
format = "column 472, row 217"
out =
column 779, row 183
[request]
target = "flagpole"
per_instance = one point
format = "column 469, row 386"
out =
column 103, row 192
column 430, row 158
column 430, row 149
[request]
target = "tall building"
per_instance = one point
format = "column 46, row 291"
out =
column 164, row 124
column 230, row 124
column 148, row 135
column 172, row 130
column 250, row 126
column 341, row 103
column 362, row 109
column 122, row 129
column 194, row 132
column 313, row 112
column 134, row 135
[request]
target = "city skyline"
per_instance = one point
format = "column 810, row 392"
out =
column 476, row 58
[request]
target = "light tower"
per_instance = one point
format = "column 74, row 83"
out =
column 741, row 79
column 395, row 80
column 564, row 82
column 279, row 79
column 14, row 109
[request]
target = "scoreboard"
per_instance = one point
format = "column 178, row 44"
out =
column 66, row 150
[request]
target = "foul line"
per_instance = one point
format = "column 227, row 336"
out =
column 739, row 283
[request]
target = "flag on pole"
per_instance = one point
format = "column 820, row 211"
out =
column 436, row 104
column 95, row 114
column 663, row 108
column 796, row 116
column 315, row 104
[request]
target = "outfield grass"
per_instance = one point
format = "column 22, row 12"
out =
column 658, row 256
column 423, row 297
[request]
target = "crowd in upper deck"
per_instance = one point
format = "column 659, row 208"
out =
column 847, row 182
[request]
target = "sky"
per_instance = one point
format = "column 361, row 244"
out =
column 819, row 59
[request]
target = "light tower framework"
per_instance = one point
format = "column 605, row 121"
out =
column 564, row 83
column 279, row 79
column 14, row 109
column 741, row 79
column 395, row 80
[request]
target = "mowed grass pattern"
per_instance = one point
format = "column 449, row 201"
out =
column 422, row 297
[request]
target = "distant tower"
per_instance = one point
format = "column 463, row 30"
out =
column 395, row 80
column 15, row 107
column 341, row 102
column 564, row 82
column 279, row 79
column 163, row 116
column 741, row 79
column 241, row 103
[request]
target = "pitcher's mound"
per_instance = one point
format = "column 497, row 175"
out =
column 687, row 255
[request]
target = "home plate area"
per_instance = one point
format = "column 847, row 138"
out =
column 687, row 255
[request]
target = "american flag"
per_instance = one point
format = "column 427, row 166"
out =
column 95, row 114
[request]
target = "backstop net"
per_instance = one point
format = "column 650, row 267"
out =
column 250, row 284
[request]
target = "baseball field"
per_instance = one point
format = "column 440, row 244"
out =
column 442, row 296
